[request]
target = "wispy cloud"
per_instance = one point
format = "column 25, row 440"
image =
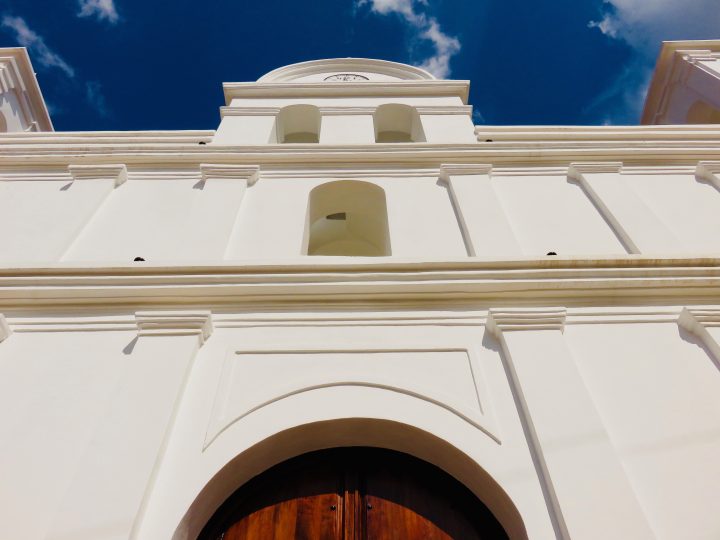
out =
column 426, row 28
column 96, row 98
column 45, row 57
column 42, row 54
column 102, row 9
column 644, row 25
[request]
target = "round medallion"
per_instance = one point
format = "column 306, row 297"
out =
column 346, row 77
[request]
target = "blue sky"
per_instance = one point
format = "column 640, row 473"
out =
column 152, row 64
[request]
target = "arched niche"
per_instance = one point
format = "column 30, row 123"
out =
column 342, row 433
column 347, row 218
column 702, row 112
column 395, row 123
column 298, row 124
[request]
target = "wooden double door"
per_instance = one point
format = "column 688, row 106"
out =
column 352, row 494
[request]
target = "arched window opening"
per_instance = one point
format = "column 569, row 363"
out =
column 348, row 218
column 702, row 112
column 298, row 124
column 397, row 123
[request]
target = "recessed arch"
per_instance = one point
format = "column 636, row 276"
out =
column 347, row 218
column 701, row 112
column 349, row 432
column 298, row 124
column 395, row 122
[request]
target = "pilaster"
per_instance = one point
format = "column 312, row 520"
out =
column 482, row 220
column 90, row 188
column 586, row 489
column 638, row 228
column 133, row 431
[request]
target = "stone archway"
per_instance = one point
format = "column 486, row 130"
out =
column 346, row 433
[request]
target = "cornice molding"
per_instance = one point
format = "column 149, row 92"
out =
column 210, row 171
column 5, row 329
column 347, row 111
column 709, row 171
column 531, row 281
column 501, row 320
column 351, row 110
column 115, row 172
column 333, row 89
column 175, row 323
column 248, row 111
column 577, row 170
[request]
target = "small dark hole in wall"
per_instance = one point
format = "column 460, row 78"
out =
column 339, row 216
column 138, row 259
column 488, row 140
column 551, row 253
column 202, row 142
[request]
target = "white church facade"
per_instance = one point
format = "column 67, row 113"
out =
column 349, row 312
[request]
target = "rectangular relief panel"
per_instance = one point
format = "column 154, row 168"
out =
column 447, row 377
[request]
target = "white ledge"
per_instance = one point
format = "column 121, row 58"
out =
column 115, row 172
column 249, row 173
column 577, row 170
column 709, row 171
column 508, row 320
column 175, row 323
column 461, row 169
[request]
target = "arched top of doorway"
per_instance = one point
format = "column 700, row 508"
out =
column 353, row 493
column 344, row 433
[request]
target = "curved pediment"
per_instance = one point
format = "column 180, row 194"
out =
column 341, row 70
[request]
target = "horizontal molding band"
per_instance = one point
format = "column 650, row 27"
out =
column 532, row 281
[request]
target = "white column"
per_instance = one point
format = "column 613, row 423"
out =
column 589, row 495
column 244, row 177
column 483, row 222
column 108, row 492
column 705, row 324
column 709, row 171
column 92, row 185
column 639, row 229
column 228, row 183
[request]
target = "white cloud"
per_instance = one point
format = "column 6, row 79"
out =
column 644, row 24
column 427, row 28
column 36, row 45
column 102, row 9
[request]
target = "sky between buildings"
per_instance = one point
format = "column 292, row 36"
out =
column 159, row 64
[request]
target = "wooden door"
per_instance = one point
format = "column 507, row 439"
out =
column 353, row 494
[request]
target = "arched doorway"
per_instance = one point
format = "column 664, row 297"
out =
column 353, row 493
